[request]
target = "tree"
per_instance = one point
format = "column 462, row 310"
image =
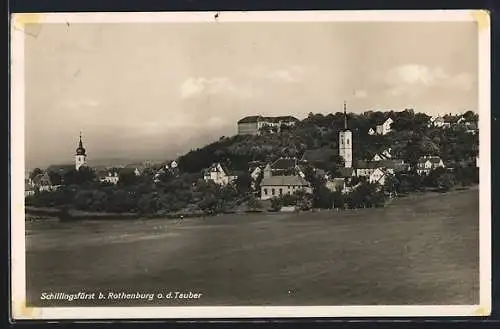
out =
column 79, row 177
column 35, row 172
column 243, row 183
column 127, row 177
column 446, row 182
column 55, row 178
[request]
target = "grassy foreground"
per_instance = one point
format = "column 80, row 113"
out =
column 422, row 249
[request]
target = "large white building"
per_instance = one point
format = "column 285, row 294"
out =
column 345, row 143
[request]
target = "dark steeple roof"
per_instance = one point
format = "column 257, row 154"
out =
column 80, row 150
column 345, row 117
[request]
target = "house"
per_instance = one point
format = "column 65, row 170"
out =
column 285, row 166
column 365, row 168
column 385, row 127
column 371, row 131
column 437, row 122
column 379, row 176
column 336, row 184
column 276, row 186
column 386, row 154
column 251, row 125
column 471, row 128
column 111, row 176
column 426, row 164
column 219, row 174
column 42, row 182
column 28, row 188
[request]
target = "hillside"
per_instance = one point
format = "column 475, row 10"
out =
column 318, row 135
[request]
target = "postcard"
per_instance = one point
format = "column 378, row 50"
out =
column 224, row 165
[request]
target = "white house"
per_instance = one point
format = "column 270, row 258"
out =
column 379, row 175
column 371, row 131
column 28, row 188
column 110, row 177
column 385, row 155
column 426, row 164
column 276, row 186
column 219, row 175
column 385, row 127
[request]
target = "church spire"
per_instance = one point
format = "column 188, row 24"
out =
column 345, row 116
column 80, row 144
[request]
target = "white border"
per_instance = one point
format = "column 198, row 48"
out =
column 20, row 312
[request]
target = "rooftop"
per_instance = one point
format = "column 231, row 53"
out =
column 257, row 118
column 284, row 181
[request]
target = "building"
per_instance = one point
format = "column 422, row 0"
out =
column 81, row 155
column 28, row 188
column 385, row 127
column 252, row 125
column 111, row 176
column 426, row 164
column 437, row 122
column 219, row 174
column 379, row 176
column 345, row 142
column 336, row 184
column 386, row 154
column 276, row 186
column 42, row 182
column 371, row 132
column 284, row 166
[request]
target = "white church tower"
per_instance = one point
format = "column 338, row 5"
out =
column 345, row 142
column 80, row 156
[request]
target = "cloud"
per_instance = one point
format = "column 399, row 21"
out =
column 78, row 103
column 411, row 78
column 193, row 87
column 292, row 74
column 360, row 94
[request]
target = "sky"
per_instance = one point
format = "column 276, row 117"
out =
column 154, row 91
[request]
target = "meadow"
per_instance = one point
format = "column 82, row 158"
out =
column 420, row 249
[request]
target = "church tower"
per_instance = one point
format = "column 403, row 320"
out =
column 345, row 142
column 80, row 156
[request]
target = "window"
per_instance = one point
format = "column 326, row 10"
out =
column 281, row 191
column 273, row 192
column 347, row 141
column 265, row 191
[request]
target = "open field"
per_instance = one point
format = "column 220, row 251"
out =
column 422, row 249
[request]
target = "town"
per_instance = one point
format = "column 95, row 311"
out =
column 333, row 161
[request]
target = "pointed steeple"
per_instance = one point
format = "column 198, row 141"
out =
column 80, row 150
column 345, row 116
column 80, row 144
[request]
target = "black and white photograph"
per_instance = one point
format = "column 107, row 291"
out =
column 250, row 164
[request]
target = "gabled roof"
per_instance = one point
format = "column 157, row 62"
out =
column 284, row 163
column 257, row 118
column 284, row 181
column 214, row 165
column 42, row 179
column 250, row 119
column 433, row 159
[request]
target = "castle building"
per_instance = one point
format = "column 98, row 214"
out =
column 81, row 155
column 345, row 142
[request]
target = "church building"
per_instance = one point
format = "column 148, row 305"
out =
column 345, row 142
column 81, row 155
